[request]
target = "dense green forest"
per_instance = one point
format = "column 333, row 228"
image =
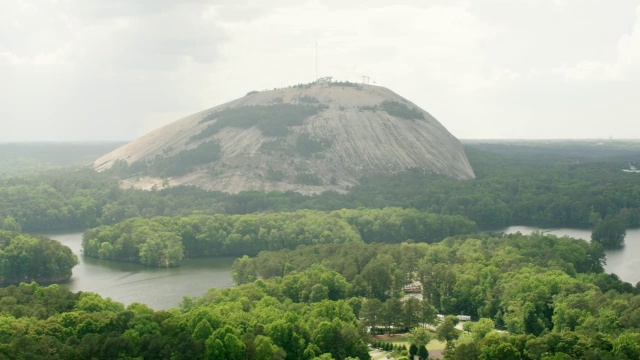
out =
column 331, row 265
column 25, row 257
column 381, row 270
column 573, row 184
column 314, row 302
column 166, row 241
column 549, row 295
column 253, row 321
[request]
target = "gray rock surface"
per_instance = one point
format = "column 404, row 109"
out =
column 360, row 141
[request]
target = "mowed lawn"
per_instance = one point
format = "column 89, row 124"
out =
column 434, row 344
column 435, row 347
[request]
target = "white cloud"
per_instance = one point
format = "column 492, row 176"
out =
column 625, row 66
column 629, row 48
column 384, row 43
column 589, row 70
column 94, row 69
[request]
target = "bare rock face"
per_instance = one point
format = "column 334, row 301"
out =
column 307, row 138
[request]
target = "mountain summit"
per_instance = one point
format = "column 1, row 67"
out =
column 306, row 138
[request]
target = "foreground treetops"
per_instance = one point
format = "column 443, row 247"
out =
column 548, row 293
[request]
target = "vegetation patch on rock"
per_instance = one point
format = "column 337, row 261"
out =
column 272, row 120
column 175, row 165
column 400, row 110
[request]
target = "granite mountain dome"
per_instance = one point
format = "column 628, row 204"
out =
column 306, row 138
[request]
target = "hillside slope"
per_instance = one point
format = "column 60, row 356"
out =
column 307, row 138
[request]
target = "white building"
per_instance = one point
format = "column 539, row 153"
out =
column 441, row 317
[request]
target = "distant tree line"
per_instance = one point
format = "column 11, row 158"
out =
column 543, row 185
column 33, row 158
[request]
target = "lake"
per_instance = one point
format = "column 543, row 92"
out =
column 159, row 288
column 623, row 262
column 164, row 288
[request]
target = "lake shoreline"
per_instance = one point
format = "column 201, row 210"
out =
column 624, row 262
column 164, row 288
column 159, row 288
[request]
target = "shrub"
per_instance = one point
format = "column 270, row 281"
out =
column 400, row 110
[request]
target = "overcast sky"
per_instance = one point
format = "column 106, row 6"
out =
column 114, row 69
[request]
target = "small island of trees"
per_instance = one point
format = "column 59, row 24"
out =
column 610, row 233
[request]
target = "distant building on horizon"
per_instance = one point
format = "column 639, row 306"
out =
column 631, row 169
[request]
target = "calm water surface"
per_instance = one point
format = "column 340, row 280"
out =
column 623, row 262
column 162, row 288
column 159, row 288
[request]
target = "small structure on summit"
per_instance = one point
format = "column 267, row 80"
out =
column 324, row 80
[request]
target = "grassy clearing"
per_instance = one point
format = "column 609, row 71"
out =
column 403, row 340
column 378, row 355
column 432, row 345
column 436, row 345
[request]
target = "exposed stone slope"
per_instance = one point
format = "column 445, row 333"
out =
column 351, row 133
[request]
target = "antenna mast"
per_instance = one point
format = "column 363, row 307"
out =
column 316, row 59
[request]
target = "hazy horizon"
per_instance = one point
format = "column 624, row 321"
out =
column 95, row 71
column 124, row 141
